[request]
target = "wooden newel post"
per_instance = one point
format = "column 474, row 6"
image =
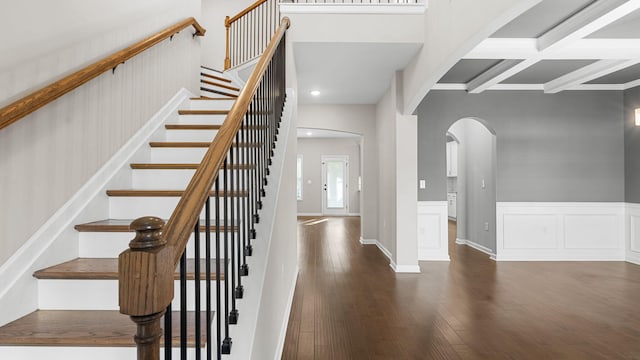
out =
column 146, row 284
column 227, row 58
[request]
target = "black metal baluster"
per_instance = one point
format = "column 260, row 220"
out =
column 218, row 285
column 233, row 315
column 183, row 306
column 196, row 278
column 168, row 333
column 226, row 343
column 207, row 234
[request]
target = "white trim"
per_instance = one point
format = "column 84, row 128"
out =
column 16, row 272
column 384, row 250
column 405, row 269
column 368, row 241
column 559, row 231
column 586, row 74
column 477, row 246
column 433, row 231
column 632, row 233
column 539, row 87
column 287, row 314
column 323, row 8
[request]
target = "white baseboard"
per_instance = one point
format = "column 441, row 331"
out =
column 560, row 231
column 384, row 250
column 46, row 246
column 478, row 247
column 405, row 269
column 287, row 313
column 632, row 233
column 433, row 231
column 368, row 241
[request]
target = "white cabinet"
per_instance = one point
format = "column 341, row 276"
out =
column 452, row 159
column 451, row 205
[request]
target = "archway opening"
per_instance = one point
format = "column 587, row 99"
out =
column 471, row 185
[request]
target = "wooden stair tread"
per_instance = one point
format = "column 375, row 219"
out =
column 192, row 127
column 102, row 269
column 138, row 166
column 224, row 86
column 194, row 144
column 95, row 328
column 215, row 77
column 122, row 225
column 207, row 98
column 219, row 92
column 203, row 112
column 165, row 193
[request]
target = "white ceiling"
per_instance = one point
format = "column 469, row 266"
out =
column 348, row 73
column 557, row 46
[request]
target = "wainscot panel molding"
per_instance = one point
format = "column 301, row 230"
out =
column 535, row 231
column 433, row 230
column 632, row 230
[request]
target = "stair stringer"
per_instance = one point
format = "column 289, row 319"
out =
column 57, row 241
column 264, row 312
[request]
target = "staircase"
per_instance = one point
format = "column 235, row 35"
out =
column 78, row 315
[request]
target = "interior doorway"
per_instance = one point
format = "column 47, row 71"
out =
column 471, row 184
column 335, row 184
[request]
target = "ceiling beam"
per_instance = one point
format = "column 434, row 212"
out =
column 497, row 73
column 589, row 20
column 587, row 73
column 592, row 49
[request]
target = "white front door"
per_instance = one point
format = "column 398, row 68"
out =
column 335, row 185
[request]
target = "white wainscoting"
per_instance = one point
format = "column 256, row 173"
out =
column 534, row 231
column 433, row 231
column 632, row 227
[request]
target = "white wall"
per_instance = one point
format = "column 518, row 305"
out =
column 312, row 150
column 358, row 119
column 453, row 28
column 51, row 153
column 213, row 15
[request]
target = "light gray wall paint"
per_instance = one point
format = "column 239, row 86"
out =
column 560, row 147
column 476, row 163
column 631, row 146
column 312, row 151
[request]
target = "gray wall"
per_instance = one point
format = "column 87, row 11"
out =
column 312, row 151
column 631, row 146
column 476, row 162
column 560, row 147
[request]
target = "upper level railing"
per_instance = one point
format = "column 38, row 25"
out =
column 249, row 31
column 236, row 168
column 34, row 101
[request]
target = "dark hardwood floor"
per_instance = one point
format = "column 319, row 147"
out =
column 349, row 304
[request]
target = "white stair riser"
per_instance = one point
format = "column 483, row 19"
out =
column 110, row 245
column 133, row 207
column 103, row 294
column 177, row 179
column 211, row 104
column 191, row 155
column 191, row 135
column 83, row 353
column 202, row 119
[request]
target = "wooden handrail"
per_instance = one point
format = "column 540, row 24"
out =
column 182, row 221
column 30, row 103
column 231, row 20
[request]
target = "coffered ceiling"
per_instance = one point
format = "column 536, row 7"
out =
column 555, row 46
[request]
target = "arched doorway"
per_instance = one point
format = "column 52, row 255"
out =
column 471, row 184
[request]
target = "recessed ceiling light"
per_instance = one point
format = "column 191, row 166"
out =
column 315, row 93
column 309, row 133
